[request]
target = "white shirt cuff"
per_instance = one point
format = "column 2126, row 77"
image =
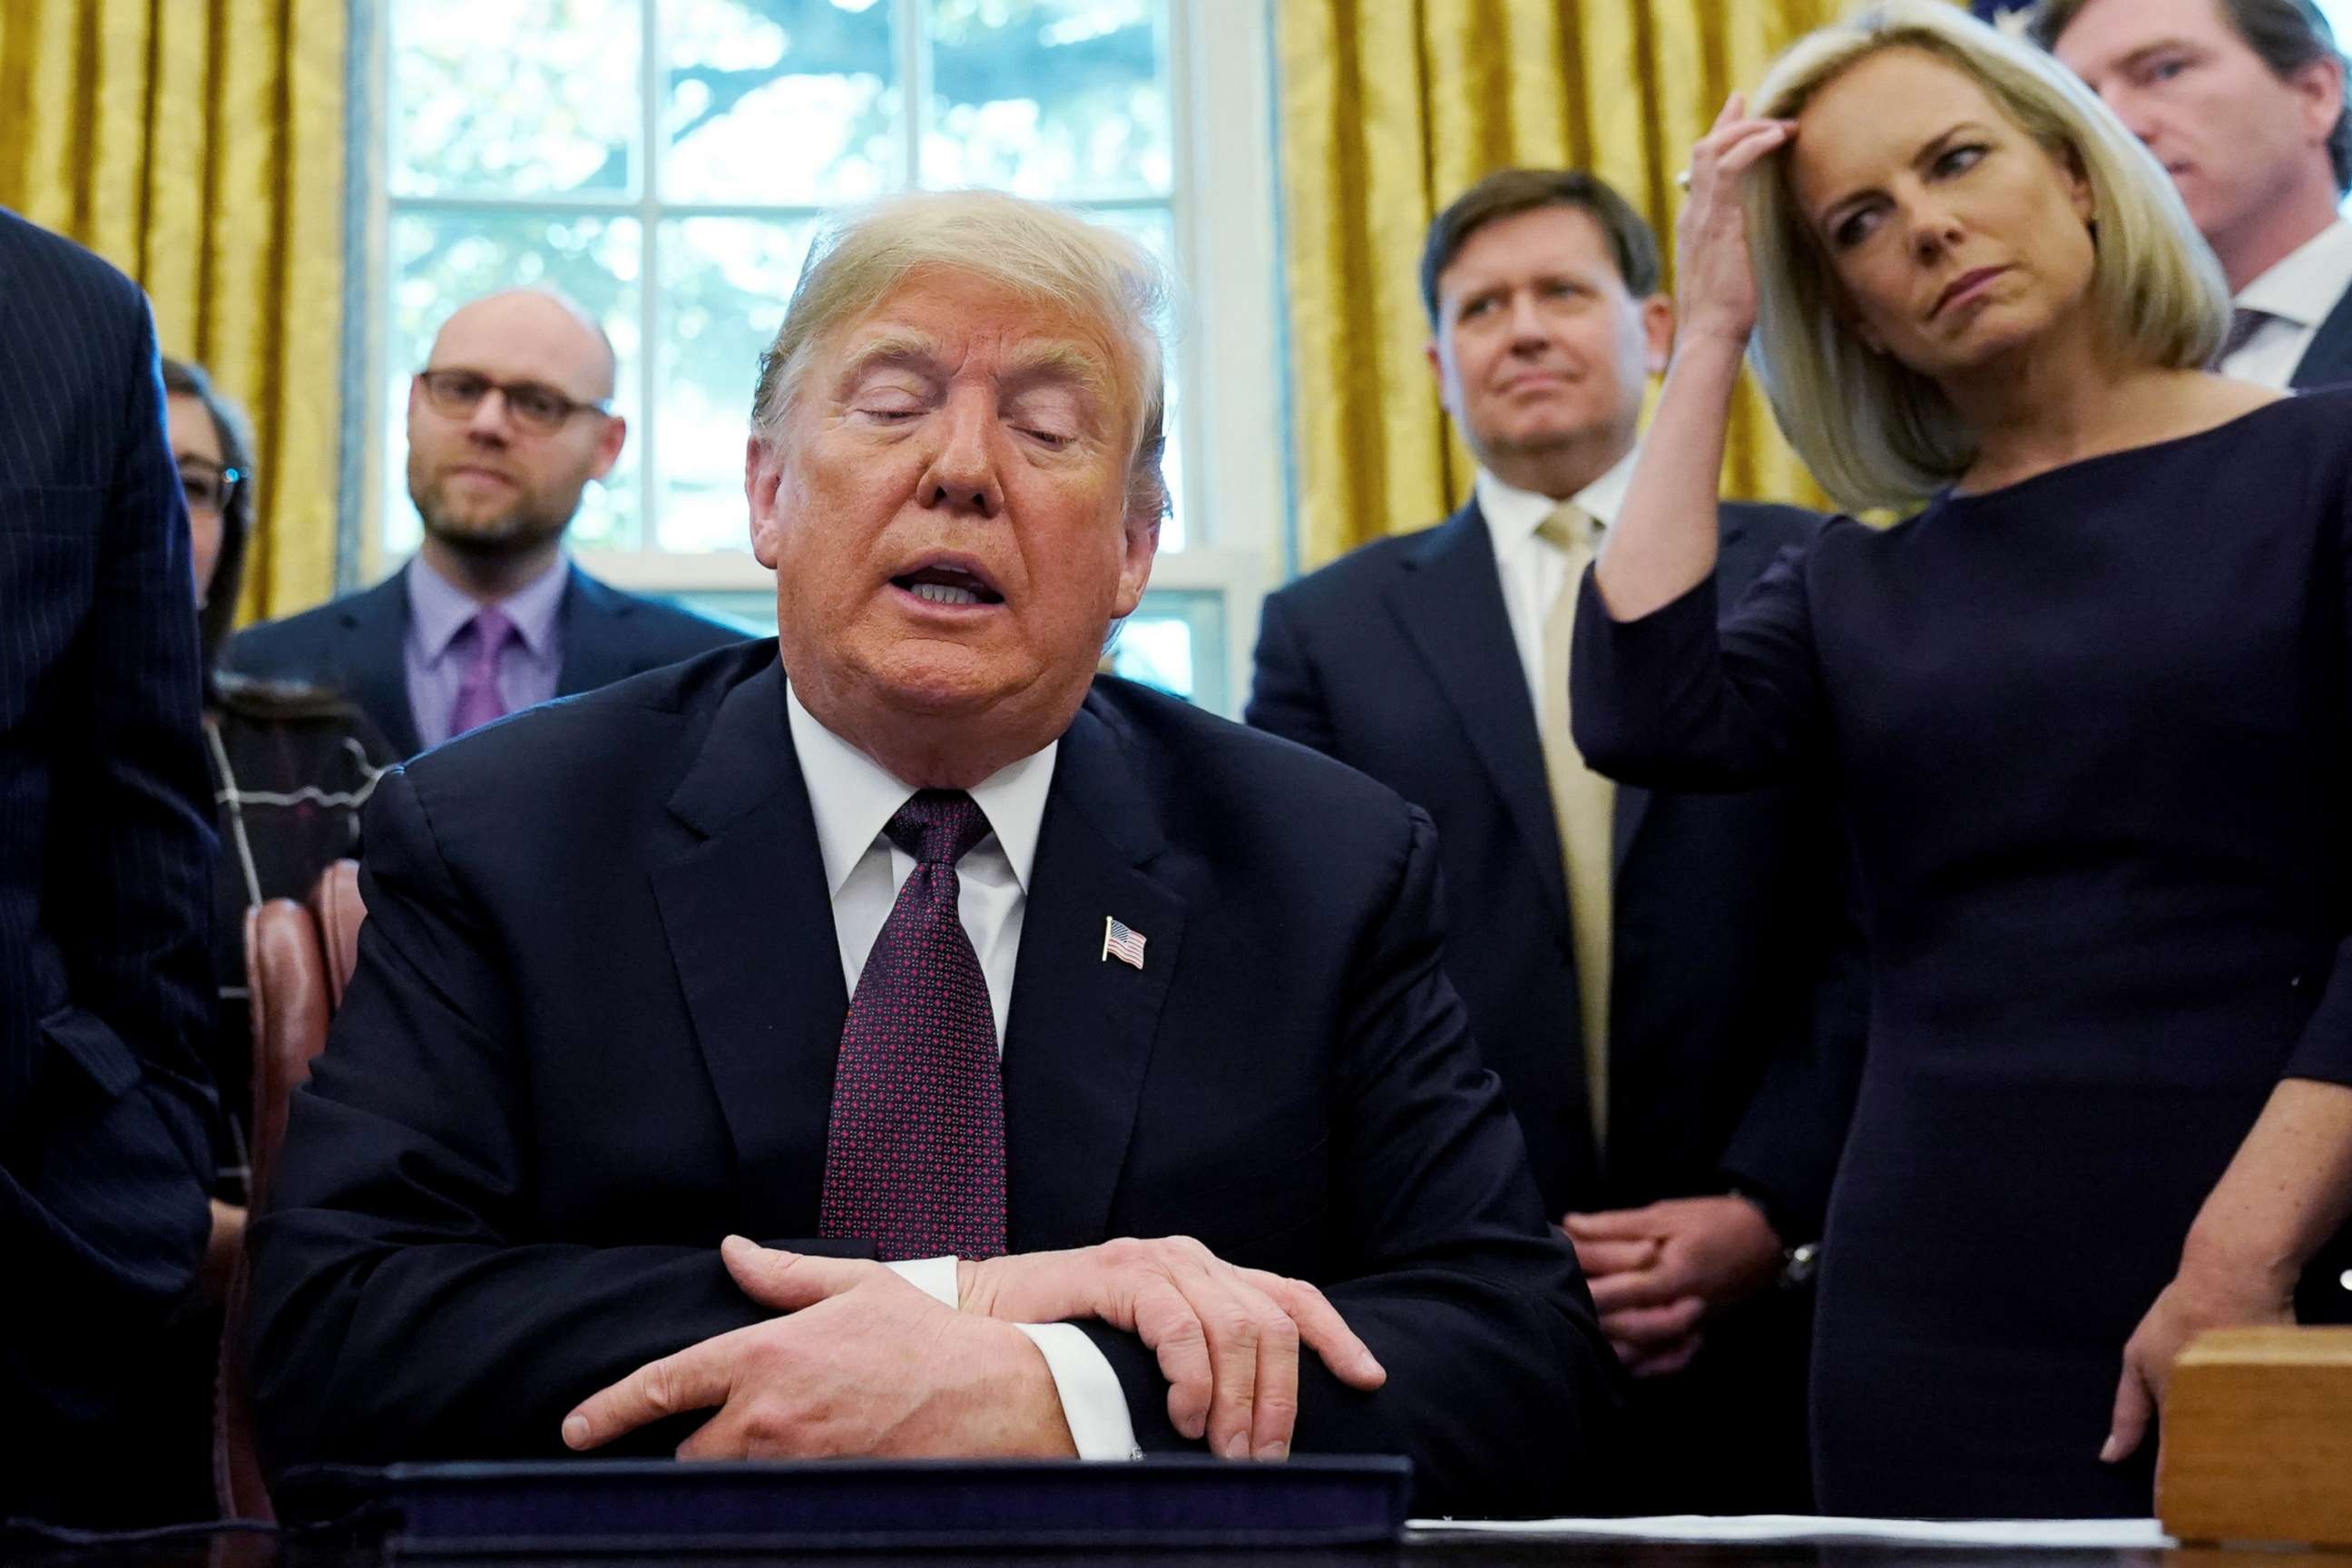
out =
column 1093, row 1404
column 934, row 1277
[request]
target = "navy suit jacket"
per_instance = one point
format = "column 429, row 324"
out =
column 593, row 1029
column 2328, row 360
column 106, row 848
column 355, row 645
column 1731, row 1060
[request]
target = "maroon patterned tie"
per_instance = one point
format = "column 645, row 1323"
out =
column 914, row 1159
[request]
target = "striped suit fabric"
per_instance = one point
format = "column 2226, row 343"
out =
column 105, row 850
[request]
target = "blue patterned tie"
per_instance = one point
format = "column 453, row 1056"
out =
column 914, row 1158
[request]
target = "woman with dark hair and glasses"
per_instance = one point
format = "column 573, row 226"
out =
column 291, row 764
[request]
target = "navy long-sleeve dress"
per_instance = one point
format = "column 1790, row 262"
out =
column 2090, row 733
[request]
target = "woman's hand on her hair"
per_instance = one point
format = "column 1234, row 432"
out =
column 1714, row 278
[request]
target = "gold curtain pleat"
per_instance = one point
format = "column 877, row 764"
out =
column 198, row 145
column 1390, row 109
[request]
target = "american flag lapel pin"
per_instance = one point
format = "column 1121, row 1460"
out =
column 1121, row 944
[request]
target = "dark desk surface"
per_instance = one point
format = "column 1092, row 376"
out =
column 262, row 1551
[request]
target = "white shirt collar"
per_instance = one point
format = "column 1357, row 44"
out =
column 2304, row 285
column 853, row 797
column 1513, row 515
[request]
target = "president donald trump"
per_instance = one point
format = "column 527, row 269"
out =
column 894, row 1039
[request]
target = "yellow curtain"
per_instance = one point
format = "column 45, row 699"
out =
column 1390, row 109
column 198, row 145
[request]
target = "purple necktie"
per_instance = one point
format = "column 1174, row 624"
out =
column 914, row 1159
column 478, row 702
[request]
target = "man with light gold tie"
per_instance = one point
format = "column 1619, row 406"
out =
column 1668, row 984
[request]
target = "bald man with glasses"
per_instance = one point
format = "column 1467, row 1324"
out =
column 508, row 422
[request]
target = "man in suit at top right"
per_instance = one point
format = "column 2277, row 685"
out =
column 2243, row 103
column 1666, row 984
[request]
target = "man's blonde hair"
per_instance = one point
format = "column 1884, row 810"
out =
column 1029, row 249
column 1875, row 432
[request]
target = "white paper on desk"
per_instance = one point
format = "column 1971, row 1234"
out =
column 2054, row 1532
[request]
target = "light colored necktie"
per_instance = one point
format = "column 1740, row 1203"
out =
column 1584, row 805
column 478, row 699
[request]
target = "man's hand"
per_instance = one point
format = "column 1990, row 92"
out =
column 1657, row 1272
column 1227, row 1337
column 865, row 1365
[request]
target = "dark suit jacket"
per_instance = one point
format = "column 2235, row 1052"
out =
column 105, row 849
column 1728, row 1061
column 2329, row 360
column 355, row 645
column 592, row 1035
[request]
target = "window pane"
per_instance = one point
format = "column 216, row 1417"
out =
column 753, row 615
column 1061, row 99
column 1157, row 651
column 724, row 284
column 440, row 261
column 792, row 102
column 515, row 98
column 1176, row 641
column 1154, row 228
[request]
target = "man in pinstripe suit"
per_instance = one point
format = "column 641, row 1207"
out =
column 105, row 876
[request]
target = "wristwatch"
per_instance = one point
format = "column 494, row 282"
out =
column 1798, row 1263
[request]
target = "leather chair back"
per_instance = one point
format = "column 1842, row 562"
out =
column 336, row 902
column 297, row 962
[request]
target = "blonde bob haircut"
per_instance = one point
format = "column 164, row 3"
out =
column 1875, row 433
column 1032, row 250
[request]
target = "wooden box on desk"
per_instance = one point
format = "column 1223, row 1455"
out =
column 2258, row 1437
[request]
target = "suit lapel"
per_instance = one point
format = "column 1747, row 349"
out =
column 374, row 659
column 595, row 647
column 1449, row 601
column 1079, row 1037
column 749, row 923
column 2327, row 362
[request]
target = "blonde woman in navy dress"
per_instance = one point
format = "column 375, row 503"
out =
column 2089, row 713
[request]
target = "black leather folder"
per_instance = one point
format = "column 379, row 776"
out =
column 662, row 1507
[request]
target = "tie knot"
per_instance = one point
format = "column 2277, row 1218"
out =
column 492, row 630
column 2244, row 322
column 938, row 826
column 1567, row 526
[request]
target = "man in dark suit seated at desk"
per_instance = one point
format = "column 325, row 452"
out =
column 906, row 938
column 1667, row 984
column 508, row 422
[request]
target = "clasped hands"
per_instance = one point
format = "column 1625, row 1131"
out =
column 1657, row 1272
column 863, row 1363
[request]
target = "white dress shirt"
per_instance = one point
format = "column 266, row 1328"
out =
column 853, row 798
column 1534, row 570
column 2297, row 293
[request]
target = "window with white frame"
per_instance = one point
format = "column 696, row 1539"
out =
column 665, row 164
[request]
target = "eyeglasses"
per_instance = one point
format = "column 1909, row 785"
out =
column 208, row 486
column 536, row 407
